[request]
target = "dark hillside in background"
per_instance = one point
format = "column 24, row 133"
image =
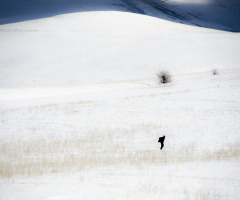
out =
column 215, row 14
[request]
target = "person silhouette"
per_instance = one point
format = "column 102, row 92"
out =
column 161, row 140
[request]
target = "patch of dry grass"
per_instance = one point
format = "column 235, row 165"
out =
column 207, row 194
column 40, row 156
column 54, row 139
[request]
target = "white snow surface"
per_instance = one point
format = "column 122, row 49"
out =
column 96, row 47
column 81, row 109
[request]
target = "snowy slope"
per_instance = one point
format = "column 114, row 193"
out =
column 217, row 14
column 72, row 50
column 81, row 109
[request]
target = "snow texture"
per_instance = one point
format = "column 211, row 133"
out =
column 81, row 108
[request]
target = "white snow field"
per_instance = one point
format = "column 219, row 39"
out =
column 81, row 109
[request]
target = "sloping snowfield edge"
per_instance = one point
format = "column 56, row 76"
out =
column 81, row 109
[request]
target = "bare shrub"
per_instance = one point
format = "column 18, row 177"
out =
column 164, row 77
column 215, row 72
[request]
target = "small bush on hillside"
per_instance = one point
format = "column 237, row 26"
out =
column 164, row 77
column 215, row 72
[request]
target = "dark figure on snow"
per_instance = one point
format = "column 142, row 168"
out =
column 161, row 140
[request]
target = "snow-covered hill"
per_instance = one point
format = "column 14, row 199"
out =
column 81, row 109
column 96, row 47
column 217, row 14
